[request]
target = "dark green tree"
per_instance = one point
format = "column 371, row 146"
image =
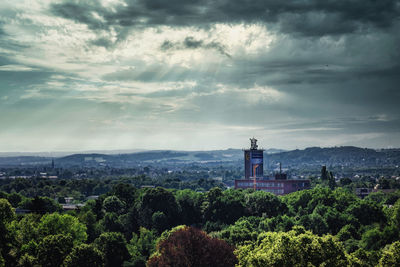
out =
column 84, row 255
column 113, row 247
column 157, row 199
column 53, row 249
column 113, row 204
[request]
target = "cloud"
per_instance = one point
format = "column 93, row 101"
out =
column 294, row 72
column 310, row 17
column 16, row 68
column 191, row 43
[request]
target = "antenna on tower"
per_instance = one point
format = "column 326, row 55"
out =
column 253, row 144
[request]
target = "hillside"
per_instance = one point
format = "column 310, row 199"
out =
column 313, row 156
column 337, row 156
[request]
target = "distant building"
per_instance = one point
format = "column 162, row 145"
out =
column 362, row 192
column 254, row 175
column 277, row 187
column 68, row 200
column 253, row 161
column 94, row 197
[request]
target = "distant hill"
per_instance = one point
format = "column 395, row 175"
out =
column 337, row 156
column 313, row 156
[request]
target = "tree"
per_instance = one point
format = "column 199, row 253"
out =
column 190, row 206
column 84, row 255
column 112, row 223
column 366, row 212
column 7, row 214
column 324, row 173
column 125, row 192
column 294, row 248
column 345, row 181
column 262, row 203
column 391, row 255
column 141, row 247
column 191, row 247
column 159, row 221
column 53, row 249
column 27, row 260
column 243, row 230
column 331, row 181
column 279, row 223
column 41, row 205
column 89, row 219
column 113, row 204
column 396, row 214
column 157, row 199
column 223, row 206
column 55, row 223
column 113, row 247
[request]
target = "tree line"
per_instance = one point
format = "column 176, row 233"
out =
column 128, row 226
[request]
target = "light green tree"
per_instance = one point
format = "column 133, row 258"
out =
column 55, row 223
column 391, row 255
column 294, row 248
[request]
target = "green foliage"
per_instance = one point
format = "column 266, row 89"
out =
column 53, row 249
column 348, row 232
column 243, row 230
column 144, row 245
column 157, row 199
column 92, row 228
column 391, row 255
column 260, row 203
column 159, row 221
column 27, row 260
column 396, row 214
column 365, row 258
column 223, row 207
column 84, row 255
column 374, row 239
column 15, row 199
column 190, row 206
column 279, row 223
column 113, row 247
column 113, row 204
column 41, row 205
column 366, row 212
column 112, row 223
column 292, row 249
column 125, row 192
column 2, row 261
column 239, row 217
column 6, row 212
column 55, row 223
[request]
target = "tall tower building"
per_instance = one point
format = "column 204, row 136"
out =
column 253, row 161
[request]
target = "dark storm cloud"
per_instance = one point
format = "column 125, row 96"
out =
column 192, row 43
column 81, row 12
column 309, row 17
column 104, row 42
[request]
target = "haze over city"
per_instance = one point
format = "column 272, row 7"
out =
column 197, row 75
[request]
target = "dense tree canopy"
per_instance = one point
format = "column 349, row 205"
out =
column 84, row 255
column 131, row 227
column 293, row 248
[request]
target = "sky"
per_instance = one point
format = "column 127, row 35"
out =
column 198, row 74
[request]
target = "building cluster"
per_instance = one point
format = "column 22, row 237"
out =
column 254, row 177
